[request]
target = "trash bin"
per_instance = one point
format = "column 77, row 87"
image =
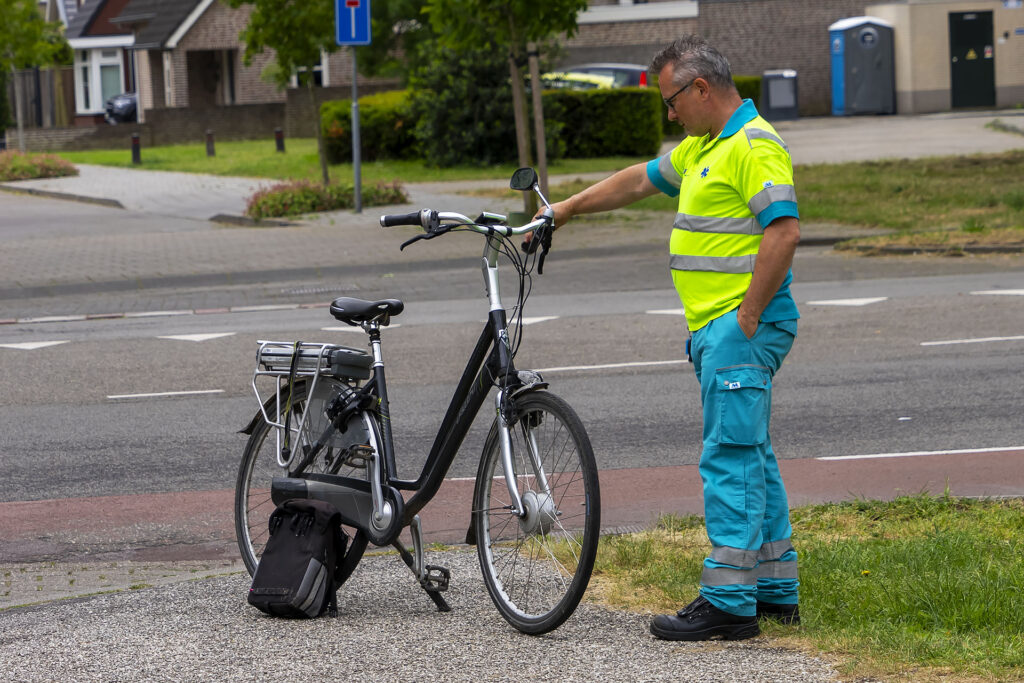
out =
column 778, row 95
column 863, row 63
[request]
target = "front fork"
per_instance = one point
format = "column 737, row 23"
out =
column 504, row 412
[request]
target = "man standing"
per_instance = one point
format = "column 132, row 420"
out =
column 732, row 246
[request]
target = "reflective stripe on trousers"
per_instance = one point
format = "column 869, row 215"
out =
column 745, row 505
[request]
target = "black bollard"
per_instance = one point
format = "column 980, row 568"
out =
column 210, row 151
column 136, row 151
column 279, row 139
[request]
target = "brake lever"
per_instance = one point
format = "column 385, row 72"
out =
column 429, row 235
column 545, row 242
column 409, row 241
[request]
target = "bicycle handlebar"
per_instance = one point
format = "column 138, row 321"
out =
column 431, row 221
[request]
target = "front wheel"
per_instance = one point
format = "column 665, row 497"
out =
column 536, row 567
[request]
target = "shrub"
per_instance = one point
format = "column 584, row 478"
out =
column 595, row 123
column 749, row 87
column 463, row 108
column 385, row 127
column 299, row 197
column 18, row 166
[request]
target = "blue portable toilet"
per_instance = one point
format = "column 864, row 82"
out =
column 863, row 64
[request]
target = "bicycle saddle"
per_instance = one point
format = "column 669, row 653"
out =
column 358, row 311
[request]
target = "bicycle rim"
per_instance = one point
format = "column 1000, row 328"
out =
column 536, row 570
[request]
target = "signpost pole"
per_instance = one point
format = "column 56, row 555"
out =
column 352, row 25
column 357, row 187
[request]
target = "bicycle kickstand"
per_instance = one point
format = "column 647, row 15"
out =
column 432, row 578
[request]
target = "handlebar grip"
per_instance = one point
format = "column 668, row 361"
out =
column 391, row 220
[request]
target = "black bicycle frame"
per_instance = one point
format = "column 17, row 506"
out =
column 491, row 363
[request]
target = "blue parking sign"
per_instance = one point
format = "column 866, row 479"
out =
column 352, row 19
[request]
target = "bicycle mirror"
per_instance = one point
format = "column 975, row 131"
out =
column 523, row 179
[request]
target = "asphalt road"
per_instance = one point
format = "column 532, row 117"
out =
column 858, row 381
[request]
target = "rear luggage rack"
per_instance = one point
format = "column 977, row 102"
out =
column 286, row 361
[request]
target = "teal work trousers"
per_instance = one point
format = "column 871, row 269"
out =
column 745, row 507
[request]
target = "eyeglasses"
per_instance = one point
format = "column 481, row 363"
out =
column 668, row 101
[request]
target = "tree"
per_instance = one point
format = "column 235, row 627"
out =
column 299, row 32
column 398, row 29
column 27, row 40
column 515, row 26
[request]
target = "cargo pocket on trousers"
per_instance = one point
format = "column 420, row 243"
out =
column 745, row 392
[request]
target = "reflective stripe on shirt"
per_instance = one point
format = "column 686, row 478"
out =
column 735, row 265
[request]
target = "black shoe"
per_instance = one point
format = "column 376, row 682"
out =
column 700, row 620
column 786, row 614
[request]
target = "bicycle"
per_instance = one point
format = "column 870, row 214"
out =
column 535, row 517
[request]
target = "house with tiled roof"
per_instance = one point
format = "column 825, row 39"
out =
column 103, row 65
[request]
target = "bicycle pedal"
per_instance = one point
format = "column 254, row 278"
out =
column 436, row 579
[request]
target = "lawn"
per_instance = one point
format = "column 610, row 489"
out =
column 258, row 159
column 922, row 588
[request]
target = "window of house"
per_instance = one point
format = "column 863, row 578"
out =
column 321, row 76
column 99, row 75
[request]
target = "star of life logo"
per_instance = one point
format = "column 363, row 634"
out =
column 704, row 173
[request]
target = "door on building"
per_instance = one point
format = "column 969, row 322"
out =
column 973, row 72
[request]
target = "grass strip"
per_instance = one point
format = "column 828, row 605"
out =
column 923, row 587
column 258, row 159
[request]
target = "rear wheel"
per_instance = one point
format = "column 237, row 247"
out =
column 536, row 568
column 345, row 455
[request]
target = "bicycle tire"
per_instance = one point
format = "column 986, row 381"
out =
column 536, row 571
column 253, row 504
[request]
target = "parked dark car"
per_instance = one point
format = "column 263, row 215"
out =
column 624, row 75
column 122, row 108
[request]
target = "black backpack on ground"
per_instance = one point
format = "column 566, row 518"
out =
column 297, row 574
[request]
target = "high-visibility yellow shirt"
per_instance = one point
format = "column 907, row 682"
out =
column 730, row 189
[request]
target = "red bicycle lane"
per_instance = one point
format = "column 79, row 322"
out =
column 199, row 525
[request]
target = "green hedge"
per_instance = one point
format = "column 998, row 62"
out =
column 386, row 127
column 578, row 124
column 749, row 87
column 597, row 123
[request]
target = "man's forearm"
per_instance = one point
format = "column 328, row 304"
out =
column 774, row 259
column 625, row 187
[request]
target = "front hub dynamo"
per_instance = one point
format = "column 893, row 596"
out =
column 541, row 513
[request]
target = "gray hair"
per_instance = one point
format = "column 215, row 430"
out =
column 693, row 57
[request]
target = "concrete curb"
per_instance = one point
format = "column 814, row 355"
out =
column 50, row 194
column 246, row 222
column 900, row 250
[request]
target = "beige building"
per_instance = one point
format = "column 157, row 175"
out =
column 956, row 54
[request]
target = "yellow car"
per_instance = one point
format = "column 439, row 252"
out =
column 572, row 80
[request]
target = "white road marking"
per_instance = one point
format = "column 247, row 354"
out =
column 910, row 454
column 996, row 292
column 32, row 346
column 979, row 340
column 667, row 311
column 53, row 319
column 848, row 302
column 538, row 319
column 353, row 328
column 156, row 314
column 197, row 337
column 162, row 394
column 269, row 307
column 611, row 366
